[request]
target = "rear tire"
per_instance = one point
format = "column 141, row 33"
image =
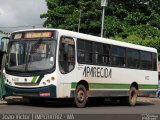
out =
column 132, row 99
column 81, row 96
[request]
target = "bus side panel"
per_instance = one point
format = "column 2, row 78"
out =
column 112, row 81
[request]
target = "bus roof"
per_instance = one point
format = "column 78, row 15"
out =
column 96, row 39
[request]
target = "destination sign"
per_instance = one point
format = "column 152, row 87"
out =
column 30, row 35
column 18, row 36
column 37, row 35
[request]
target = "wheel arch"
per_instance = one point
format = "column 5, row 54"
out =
column 135, row 84
column 83, row 82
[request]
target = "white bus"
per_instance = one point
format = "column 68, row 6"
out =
column 55, row 63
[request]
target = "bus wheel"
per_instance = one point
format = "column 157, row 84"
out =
column 132, row 99
column 81, row 96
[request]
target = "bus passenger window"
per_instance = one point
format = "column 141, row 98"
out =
column 133, row 58
column 118, row 56
column 154, row 61
column 66, row 55
column 146, row 60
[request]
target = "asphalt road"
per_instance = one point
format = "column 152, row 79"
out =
column 65, row 107
column 108, row 109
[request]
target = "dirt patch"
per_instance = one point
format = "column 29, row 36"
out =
column 148, row 99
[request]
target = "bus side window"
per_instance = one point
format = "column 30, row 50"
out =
column 154, row 62
column 66, row 55
column 146, row 60
column 118, row 56
column 133, row 58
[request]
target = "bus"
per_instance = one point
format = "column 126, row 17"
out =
column 56, row 63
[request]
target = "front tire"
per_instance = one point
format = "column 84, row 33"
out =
column 81, row 96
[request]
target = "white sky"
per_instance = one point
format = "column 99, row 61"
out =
column 15, row 13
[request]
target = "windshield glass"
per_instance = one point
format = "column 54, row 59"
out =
column 31, row 55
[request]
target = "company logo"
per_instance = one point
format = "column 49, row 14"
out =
column 102, row 72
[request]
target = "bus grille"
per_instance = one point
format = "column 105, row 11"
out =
column 25, row 93
column 27, row 84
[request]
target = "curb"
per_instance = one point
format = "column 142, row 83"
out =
column 3, row 102
column 10, row 100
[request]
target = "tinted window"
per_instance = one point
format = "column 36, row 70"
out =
column 89, row 52
column 154, row 59
column 146, row 60
column 84, row 51
column 118, row 56
column 133, row 58
column 98, row 53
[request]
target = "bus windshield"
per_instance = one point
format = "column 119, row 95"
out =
column 31, row 55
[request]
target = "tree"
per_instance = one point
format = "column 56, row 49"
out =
column 123, row 19
column 65, row 14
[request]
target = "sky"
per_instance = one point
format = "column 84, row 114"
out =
column 14, row 13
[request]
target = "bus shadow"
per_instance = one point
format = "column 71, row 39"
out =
column 70, row 104
column 118, row 104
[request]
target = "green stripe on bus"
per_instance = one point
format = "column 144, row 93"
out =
column 109, row 86
column 104, row 86
column 114, row 86
column 73, row 85
column 148, row 86
column 34, row 79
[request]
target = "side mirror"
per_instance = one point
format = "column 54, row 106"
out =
column 4, row 43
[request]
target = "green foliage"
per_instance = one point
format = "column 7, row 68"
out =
column 65, row 14
column 150, row 42
column 134, row 21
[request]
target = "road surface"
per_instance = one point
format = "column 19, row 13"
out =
column 143, row 109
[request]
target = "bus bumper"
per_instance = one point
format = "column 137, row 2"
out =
column 45, row 92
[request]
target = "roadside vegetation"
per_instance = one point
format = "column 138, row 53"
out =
column 134, row 21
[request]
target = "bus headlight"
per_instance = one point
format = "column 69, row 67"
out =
column 44, row 83
column 48, row 81
column 10, row 83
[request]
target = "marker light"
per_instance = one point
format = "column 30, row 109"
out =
column 53, row 78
